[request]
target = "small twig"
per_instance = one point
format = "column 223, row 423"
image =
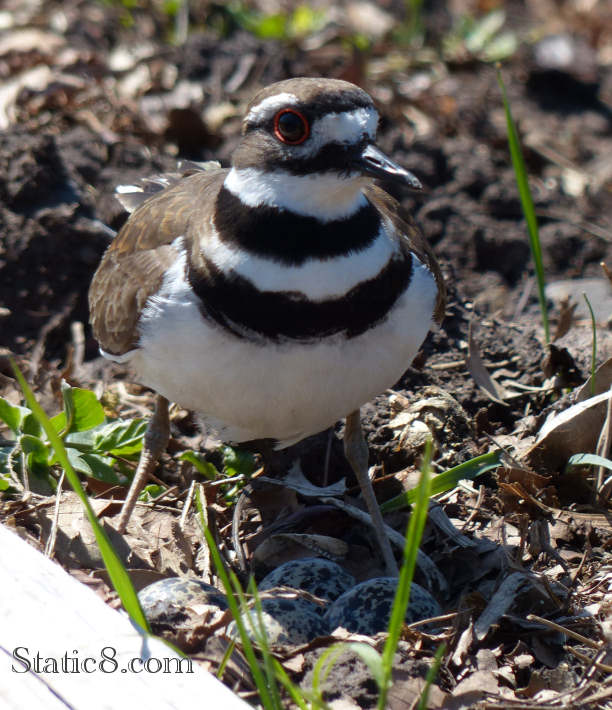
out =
column 474, row 513
column 164, row 494
column 597, row 696
column 563, row 630
column 603, row 450
column 78, row 342
column 223, row 481
column 442, row 617
column 606, row 271
column 236, row 520
column 50, row 546
column 187, row 505
column 587, row 659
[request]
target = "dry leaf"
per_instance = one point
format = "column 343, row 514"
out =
column 501, row 601
column 572, row 431
column 479, row 372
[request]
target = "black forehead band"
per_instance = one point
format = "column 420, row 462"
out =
column 329, row 102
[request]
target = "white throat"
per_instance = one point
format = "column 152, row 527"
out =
column 326, row 196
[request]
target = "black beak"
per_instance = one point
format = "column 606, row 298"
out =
column 372, row 161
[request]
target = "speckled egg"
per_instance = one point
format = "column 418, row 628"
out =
column 320, row 577
column 287, row 618
column 366, row 608
column 168, row 601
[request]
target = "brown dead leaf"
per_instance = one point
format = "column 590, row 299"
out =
column 530, row 480
column 523, row 490
column 602, row 382
column 572, row 431
column 566, row 317
column 463, row 645
column 480, row 373
column 500, row 603
column 75, row 544
column 472, row 689
column 295, row 664
column 406, row 691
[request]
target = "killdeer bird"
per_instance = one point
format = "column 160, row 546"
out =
column 279, row 295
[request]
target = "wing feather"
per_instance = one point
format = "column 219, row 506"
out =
column 132, row 269
column 404, row 224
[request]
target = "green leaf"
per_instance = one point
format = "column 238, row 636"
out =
column 116, row 571
column 237, row 462
column 153, row 490
column 38, row 454
column 305, row 21
column 589, row 460
column 5, row 455
column 5, row 483
column 31, row 426
column 81, row 440
column 82, row 409
column 58, row 422
column 93, row 465
column 271, row 27
column 468, row 470
column 13, row 415
column 200, row 464
column 122, row 437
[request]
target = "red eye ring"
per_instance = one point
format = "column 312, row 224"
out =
column 282, row 137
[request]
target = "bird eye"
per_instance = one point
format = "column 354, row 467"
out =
column 291, row 127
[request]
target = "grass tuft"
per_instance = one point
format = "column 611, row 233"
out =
column 402, row 596
column 522, row 181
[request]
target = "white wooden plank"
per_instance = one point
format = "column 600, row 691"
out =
column 46, row 611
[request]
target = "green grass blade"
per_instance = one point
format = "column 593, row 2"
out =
column 468, row 470
column 402, row 595
column 589, row 460
column 259, row 629
column 431, row 676
column 247, row 646
column 520, row 172
column 116, row 571
column 293, row 691
column 225, row 660
column 323, row 666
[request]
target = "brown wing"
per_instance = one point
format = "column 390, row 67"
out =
column 403, row 222
column 133, row 267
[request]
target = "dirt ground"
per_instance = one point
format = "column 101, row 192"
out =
column 97, row 94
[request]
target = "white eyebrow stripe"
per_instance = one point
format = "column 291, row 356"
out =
column 345, row 127
column 271, row 104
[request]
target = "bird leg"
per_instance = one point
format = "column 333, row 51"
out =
column 154, row 444
column 356, row 452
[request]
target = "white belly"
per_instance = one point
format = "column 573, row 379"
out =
column 286, row 391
